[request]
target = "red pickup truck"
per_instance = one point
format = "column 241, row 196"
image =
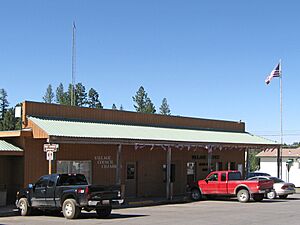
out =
column 230, row 183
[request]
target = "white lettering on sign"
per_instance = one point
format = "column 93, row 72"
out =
column 106, row 162
column 51, row 147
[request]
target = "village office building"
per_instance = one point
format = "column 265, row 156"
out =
column 149, row 155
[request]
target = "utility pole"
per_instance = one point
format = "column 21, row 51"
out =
column 73, row 64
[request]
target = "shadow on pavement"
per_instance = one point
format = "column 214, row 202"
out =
column 112, row 216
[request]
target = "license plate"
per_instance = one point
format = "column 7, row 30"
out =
column 105, row 202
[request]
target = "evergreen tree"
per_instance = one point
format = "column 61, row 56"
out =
column 61, row 97
column 80, row 95
column 164, row 108
column 114, row 107
column 3, row 102
column 253, row 160
column 150, row 108
column 8, row 122
column 142, row 102
column 49, row 95
column 93, row 99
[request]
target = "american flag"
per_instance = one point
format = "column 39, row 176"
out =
column 276, row 72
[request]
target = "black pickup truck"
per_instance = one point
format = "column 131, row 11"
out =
column 69, row 193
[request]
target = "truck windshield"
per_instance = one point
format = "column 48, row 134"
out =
column 72, row 179
column 234, row 176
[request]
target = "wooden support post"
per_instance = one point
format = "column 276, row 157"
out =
column 279, row 174
column 118, row 166
column 50, row 169
column 209, row 154
column 168, row 168
column 247, row 162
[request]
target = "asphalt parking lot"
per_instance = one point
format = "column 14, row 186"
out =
column 211, row 212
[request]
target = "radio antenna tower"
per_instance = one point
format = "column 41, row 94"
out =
column 73, row 64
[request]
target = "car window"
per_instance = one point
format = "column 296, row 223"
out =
column 52, row 181
column 213, row 177
column 263, row 178
column 42, row 182
column 234, row 176
column 72, row 179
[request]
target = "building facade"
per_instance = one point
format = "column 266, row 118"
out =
column 149, row 155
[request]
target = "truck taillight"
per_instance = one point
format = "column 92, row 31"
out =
column 80, row 191
column 87, row 192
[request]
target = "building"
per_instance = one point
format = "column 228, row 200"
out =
column 290, row 164
column 149, row 155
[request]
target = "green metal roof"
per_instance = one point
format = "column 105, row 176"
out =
column 5, row 146
column 80, row 129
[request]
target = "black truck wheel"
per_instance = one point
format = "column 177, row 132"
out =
column 103, row 212
column 243, row 195
column 24, row 207
column 70, row 209
column 196, row 194
column 258, row 197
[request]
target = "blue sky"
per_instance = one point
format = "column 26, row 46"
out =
column 208, row 58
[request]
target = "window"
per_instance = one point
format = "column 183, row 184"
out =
column 213, row 177
column 223, row 177
column 42, row 182
column 232, row 165
column 130, row 172
column 72, row 179
column 51, row 181
column 234, row 176
column 75, row 167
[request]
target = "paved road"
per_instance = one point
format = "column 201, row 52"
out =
column 216, row 212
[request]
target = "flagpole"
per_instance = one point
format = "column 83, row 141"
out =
column 281, row 129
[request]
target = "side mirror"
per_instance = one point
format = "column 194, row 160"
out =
column 31, row 186
column 206, row 180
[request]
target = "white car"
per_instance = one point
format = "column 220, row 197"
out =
column 281, row 189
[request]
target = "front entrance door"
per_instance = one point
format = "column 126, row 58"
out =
column 131, row 179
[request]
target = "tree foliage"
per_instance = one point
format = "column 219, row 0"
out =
column 93, row 99
column 3, row 102
column 164, row 108
column 114, row 107
column 49, row 95
column 142, row 102
column 253, row 160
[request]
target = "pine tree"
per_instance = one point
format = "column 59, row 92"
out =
column 80, row 95
column 142, row 102
column 3, row 102
column 8, row 122
column 114, row 107
column 49, row 95
column 61, row 97
column 93, row 99
column 150, row 108
column 164, row 108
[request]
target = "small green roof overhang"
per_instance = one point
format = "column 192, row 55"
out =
column 9, row 149
column 58, row 129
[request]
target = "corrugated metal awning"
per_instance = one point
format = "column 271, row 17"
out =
column 59, row 129
column 9, row 149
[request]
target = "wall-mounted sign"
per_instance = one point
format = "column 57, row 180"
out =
column 105, row 161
